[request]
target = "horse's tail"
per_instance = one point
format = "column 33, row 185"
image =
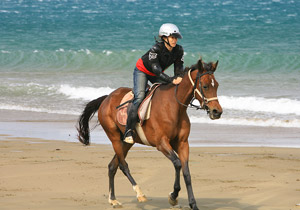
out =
column 83, row 122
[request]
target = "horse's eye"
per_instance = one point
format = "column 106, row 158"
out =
column 205, row 87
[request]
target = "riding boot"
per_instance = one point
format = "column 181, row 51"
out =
column 131, row 122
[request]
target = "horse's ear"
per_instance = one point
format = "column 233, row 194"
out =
column 214, row 65
column 200, row 65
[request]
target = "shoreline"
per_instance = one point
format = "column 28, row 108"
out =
column 39, row 174
column 63, row 127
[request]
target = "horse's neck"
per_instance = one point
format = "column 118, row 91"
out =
column 185, row 90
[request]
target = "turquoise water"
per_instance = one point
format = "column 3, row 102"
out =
column 57, row 55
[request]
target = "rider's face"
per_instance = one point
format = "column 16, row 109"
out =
column 172, row 41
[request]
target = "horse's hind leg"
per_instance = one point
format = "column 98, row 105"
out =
column 125, row 169
column 121, row 151
column 112, row 170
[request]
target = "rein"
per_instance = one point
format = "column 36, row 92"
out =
column 195, row 90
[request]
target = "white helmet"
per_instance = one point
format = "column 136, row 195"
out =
column 169, row 29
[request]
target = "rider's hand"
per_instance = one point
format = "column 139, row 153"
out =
column 177, row 80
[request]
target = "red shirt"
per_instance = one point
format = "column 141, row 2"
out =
column 141, row 67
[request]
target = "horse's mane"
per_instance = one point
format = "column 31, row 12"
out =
column 192, row 67
column 207, row 67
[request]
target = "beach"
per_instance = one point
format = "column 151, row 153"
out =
column 56, row 56
column 51, row 174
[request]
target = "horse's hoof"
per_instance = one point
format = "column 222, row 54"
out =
column 139, row 195
column 142, row 199
column 115, row 203
column 172, row 201
column 177, row 207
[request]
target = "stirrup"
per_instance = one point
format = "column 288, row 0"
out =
column 128, row 139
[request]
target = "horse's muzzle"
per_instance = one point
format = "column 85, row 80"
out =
column 214, row 114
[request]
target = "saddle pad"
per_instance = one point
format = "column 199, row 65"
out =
column 143, row 111
column 122, row 111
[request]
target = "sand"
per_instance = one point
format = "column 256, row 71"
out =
column 39, row 174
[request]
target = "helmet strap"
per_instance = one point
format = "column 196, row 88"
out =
column 167, row 42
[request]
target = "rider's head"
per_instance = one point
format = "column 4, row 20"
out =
column 169, row 33
column 169, row 29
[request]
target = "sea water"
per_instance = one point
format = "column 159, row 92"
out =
column 57, row 55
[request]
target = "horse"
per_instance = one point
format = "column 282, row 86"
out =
column 167, row 129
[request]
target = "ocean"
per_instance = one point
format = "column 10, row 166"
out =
column 57, row 55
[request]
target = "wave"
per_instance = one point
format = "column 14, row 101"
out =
column 248, row 111
column 83, row 60
column 295, row 123
column 59, row 60
column 85, row 93
column 37, row 109
column 253, row 104
column 259, row 104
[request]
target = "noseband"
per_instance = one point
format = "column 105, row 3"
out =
column 195, row 90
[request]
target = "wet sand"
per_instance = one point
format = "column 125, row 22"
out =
column 62, row 127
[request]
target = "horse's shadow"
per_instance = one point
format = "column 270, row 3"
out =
column 159, row 203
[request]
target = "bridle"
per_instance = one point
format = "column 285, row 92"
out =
column 205, row 100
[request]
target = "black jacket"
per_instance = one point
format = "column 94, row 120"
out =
column 159, row 58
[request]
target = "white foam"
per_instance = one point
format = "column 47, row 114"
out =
column 107, row 52
column 252, row 106
column 87, row 51
column 85, row 93
column 35, row 109
column 295, row 123
column 259, row 104
column 90, row 11
column 176, row 6
column 60, row 50
column 227, row 2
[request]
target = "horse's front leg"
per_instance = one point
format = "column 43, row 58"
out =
column 183, row 152
column 177, row 165
column 167, row 150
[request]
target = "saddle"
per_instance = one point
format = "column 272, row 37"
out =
column 143, row 110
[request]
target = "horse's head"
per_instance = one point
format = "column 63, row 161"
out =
column 206, row 87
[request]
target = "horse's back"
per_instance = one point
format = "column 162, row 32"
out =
column 115, row 97
column 120, row 92
column 109, row 105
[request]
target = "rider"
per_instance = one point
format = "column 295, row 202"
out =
column 151, row 67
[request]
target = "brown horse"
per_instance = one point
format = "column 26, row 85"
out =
column 167, row 129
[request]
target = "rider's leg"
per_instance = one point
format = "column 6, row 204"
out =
column 139, row 86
